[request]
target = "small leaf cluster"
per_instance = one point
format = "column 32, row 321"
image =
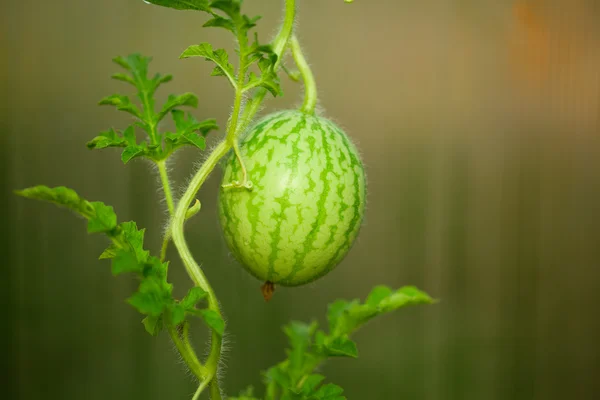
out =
column 154, row 296
column 158, row 145
column 295, row 377
column 227, row 14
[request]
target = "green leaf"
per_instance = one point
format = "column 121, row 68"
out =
column 104, row 219
column 134, row 238
column 219, row 57
column 220, row 22
column 110, row 252
column 186, row 99
column 192, row 298
column 345, row 317
column 106, row 139
column 177, row 314
column 329, row 392
column 340, row 346
column 247, row 394
column 198, row 5
column 377, row 295
column 311, row 383
column 133, row 151
column 279, row 376
column 213, row 320
column 152, row 297
column 300, row 337
column 153, row 325
column 191, row 124
column 123, row 103
column 61, row 196
column 126, row 261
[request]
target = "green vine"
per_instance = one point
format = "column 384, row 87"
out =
column 257, row 74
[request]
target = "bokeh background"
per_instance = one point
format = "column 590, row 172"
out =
column 479, row 124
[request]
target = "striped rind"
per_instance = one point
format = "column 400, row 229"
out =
column 308, row 200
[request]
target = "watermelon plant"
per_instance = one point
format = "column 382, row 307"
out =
column 291, row 202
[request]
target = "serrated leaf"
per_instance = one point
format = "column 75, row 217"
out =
column 340, row 346
column 134, row 239
column 123, row 78
column 329, row 391
column 110, row 252
column 247, row 394
column 153, row 325
column 300, row 337
column 126, row 261
column 61, row 196
column 219, row 57
column 191, row 124
column 213, row 320
column 311, row 383
column 153, row 297
column 197, row 5
column 177, row 314
column 279, row 376
column 186, row 99
column 192, row 298
column 104, row 219
column 131, row 152
column 123, row 103
column 345, row 317
column 106, row 139
column 220, row 22
column 377, row 294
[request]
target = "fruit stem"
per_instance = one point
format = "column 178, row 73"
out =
column 279, row 44
column 310, row 85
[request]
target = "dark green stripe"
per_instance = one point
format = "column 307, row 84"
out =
column 284, row 200
column 309, row 241
column 356, row 217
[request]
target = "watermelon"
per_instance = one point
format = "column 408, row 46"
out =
column 307, row 200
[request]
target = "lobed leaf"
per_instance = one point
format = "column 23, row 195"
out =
column 106, row 139
column 186, row 99
column 345, row 317
column 123, row 103
column 219, row 57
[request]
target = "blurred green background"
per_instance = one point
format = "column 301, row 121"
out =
column 479, row 124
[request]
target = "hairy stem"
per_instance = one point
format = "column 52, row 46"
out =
column 279, row 46
column 164, row 179
column 310, row 86
column 235, row 125
column 187, row 353
column 192, row 268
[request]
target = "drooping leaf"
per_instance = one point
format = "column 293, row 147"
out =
column 345, row 317
column 197, row 5
column 61, row 196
